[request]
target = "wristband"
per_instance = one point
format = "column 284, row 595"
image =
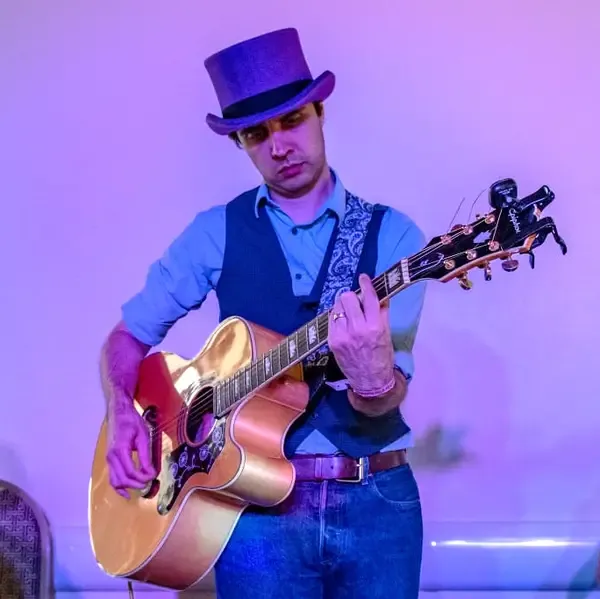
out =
column 376, row 392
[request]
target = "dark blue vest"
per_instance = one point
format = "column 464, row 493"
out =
column 256, row 284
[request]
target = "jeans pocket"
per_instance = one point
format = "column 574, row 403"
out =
column 397, row 486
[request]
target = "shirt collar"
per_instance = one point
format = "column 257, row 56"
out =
column 336, row 202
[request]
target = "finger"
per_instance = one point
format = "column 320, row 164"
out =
column 337, row 314
column 116, row 469
column 336, row 327
column 142, row 446
column 353, row 310
column 133, row 478
column 370, row 301
column 384, row 314
column 117, row 476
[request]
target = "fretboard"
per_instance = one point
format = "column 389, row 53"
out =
column 296, row 347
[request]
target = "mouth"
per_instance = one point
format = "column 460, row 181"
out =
column 291, row 170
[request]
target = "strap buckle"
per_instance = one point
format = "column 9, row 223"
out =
column 361, row 474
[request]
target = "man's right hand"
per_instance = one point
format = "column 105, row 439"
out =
column 127, row 432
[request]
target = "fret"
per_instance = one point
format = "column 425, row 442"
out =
column 283, row 354
column 268, row 365
column 231, row 391
column 236, row 387
column 321, row 332
column 242, row 383
column 302, row 340
column 323, row 325
column 405, row 268
column 292, row 344
column 224, row 394
column 254, row 375
column 386, row 289
column 260, row 372
column 235, row 383
column 393, row 278
column 312, row 333
column 217, row 397
column 276, row 359
column 248, row 377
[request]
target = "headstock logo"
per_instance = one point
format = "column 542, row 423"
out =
column 512, row 215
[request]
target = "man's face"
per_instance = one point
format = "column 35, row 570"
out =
column 288, row 151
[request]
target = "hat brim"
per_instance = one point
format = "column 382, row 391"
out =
column 318, row 91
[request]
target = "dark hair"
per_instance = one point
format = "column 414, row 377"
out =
column 234, row 136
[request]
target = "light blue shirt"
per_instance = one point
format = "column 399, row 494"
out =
column 190, row 268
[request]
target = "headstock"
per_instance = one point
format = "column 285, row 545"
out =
column 511, row 228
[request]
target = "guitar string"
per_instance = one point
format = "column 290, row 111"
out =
column 204, row 401
column 205, row 398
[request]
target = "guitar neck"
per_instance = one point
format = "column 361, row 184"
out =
column 495, row 235
column 298, row 346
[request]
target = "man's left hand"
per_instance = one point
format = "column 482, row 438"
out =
column 360, row 339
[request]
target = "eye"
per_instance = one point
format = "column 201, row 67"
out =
column 254, row 135
column 292, row 119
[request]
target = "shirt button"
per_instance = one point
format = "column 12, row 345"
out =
column 295, row 231
column 298, row 276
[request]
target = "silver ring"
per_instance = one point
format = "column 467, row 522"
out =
column 337, row 315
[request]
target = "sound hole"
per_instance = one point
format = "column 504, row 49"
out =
column 200, row 420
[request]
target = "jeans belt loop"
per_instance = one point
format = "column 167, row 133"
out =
column 319, row 468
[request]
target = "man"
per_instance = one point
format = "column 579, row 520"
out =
column 277, row 255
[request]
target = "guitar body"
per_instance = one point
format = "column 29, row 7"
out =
column 209, row 469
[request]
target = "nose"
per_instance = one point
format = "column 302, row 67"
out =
column 279, row 147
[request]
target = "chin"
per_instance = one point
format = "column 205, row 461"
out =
column 301, row 183
column 294, row 185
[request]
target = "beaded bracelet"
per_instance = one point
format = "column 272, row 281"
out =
column 376, row 392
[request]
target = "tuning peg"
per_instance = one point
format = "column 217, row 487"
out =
column 510, row 264
column 531, row 259
column 465, row 282
column 487, row 272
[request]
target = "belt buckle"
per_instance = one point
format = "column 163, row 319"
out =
column 363, row 471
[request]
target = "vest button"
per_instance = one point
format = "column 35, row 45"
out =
column 298, row 275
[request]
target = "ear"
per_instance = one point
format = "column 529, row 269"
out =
column 235, row 137
column 322, row 115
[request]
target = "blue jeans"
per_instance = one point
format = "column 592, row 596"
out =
column 329, row 540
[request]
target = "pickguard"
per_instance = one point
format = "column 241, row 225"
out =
column 185, row 461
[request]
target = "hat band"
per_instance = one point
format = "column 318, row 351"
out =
column 265, row 100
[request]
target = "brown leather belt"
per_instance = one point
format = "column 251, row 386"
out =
column 344, row 468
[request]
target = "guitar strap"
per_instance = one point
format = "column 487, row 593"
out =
column 341, row 272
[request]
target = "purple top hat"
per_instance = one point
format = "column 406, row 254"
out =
column 262, row 78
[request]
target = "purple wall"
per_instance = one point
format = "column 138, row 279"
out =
column 104, row 157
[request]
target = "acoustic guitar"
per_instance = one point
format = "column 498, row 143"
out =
column 218, row 421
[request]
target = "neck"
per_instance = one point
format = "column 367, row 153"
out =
column 303, row 206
